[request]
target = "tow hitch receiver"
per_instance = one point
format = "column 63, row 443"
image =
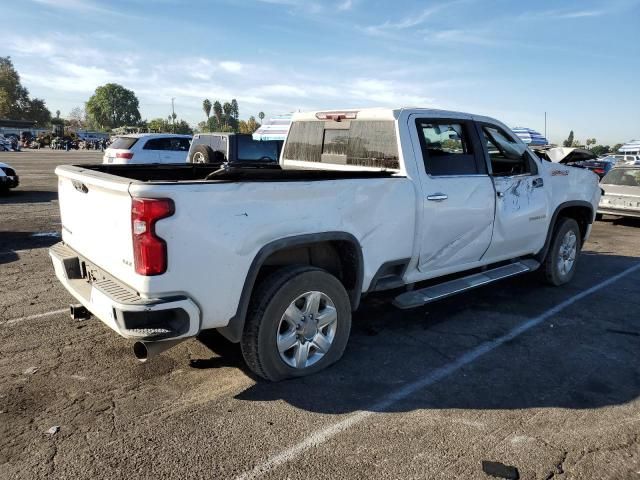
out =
column 79, row 312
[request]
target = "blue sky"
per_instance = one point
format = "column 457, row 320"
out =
column 577, row 60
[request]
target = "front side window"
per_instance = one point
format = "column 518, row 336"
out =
column 447, row 148
column 507, row 156
column 363, row 143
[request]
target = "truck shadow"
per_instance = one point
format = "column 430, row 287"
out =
column 15, row 197
column 583, row 357
column 11, row 242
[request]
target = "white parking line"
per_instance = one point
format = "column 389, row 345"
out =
column 33, row 317
column 321, row 436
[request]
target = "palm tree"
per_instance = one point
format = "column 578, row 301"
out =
column 217, row 112
column 206, row 106
column 261, row 116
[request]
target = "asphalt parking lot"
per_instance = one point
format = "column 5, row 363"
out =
column 544, row 379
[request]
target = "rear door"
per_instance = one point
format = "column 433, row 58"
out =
column 458, row 194
column 177, row 150
column 154, row 149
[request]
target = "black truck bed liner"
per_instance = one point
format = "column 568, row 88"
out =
column 197, row 172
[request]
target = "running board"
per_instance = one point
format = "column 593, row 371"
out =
column 416, row 298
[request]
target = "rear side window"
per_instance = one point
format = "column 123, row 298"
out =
column 157, row 144
column 361, row 143
column 124, row 142
column 448, row 148
column 173, row 144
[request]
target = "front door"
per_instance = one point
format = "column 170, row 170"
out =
column 522, row 198
column 458, row 194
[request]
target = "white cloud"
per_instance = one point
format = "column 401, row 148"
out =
column 345, row 5
column 406, row 22
column 77, row 6
column 233, row 67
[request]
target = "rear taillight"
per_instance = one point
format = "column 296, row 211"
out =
column 599, row 171
column 127, row 155
column 149, row 250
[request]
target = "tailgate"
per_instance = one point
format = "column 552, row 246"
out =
column 95, row 211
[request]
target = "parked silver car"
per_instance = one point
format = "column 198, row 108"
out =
column 621, row 196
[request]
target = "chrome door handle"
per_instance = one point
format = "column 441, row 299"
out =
column 437, row 197
column 500, row 194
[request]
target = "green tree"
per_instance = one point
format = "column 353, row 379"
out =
column 601, row 150
column 36, row 110
column 206, row 106
column 249, row 126
column 14, row 98
column 569, row 141
column 161, row 125
column 616, row 147
column 235, row 110
column 217, row 111
column 113, row 106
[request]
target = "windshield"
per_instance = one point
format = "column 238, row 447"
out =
column 629, row 177
column 124, row 142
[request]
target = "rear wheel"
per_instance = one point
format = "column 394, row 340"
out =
column 560, row 264
column 298, row 323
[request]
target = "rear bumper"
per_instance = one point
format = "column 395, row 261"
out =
column 121, row 308
column 9, row 181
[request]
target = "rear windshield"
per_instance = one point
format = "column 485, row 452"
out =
column 361, row 143
column 124, row 142
column 629, row 177
column 250, row 149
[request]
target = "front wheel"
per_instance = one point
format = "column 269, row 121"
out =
column 560, row 264
column 298, row 323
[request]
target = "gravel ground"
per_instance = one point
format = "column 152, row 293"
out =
column 495, row 374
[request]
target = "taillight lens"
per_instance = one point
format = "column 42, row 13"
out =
column 149, row 250
column 127, row 155
column 599, row 171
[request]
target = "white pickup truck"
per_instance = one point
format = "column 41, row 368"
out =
column 276, row 257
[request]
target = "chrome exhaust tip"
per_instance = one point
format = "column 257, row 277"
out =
column 145, row 350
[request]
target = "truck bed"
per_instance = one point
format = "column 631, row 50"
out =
column 190, row 172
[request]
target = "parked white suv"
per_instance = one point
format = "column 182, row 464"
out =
column 148, row 148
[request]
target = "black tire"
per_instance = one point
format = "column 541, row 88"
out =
column 268, row 304
column 553, row 273
column 201, row 154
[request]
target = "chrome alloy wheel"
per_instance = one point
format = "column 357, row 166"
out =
column 567, row 253
column 307, row 329
column 198, row 157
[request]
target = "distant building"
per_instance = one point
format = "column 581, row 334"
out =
column 87, row 135
column 530, row 136
column 19, row 127
column 631, row 148
column 275, row 128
